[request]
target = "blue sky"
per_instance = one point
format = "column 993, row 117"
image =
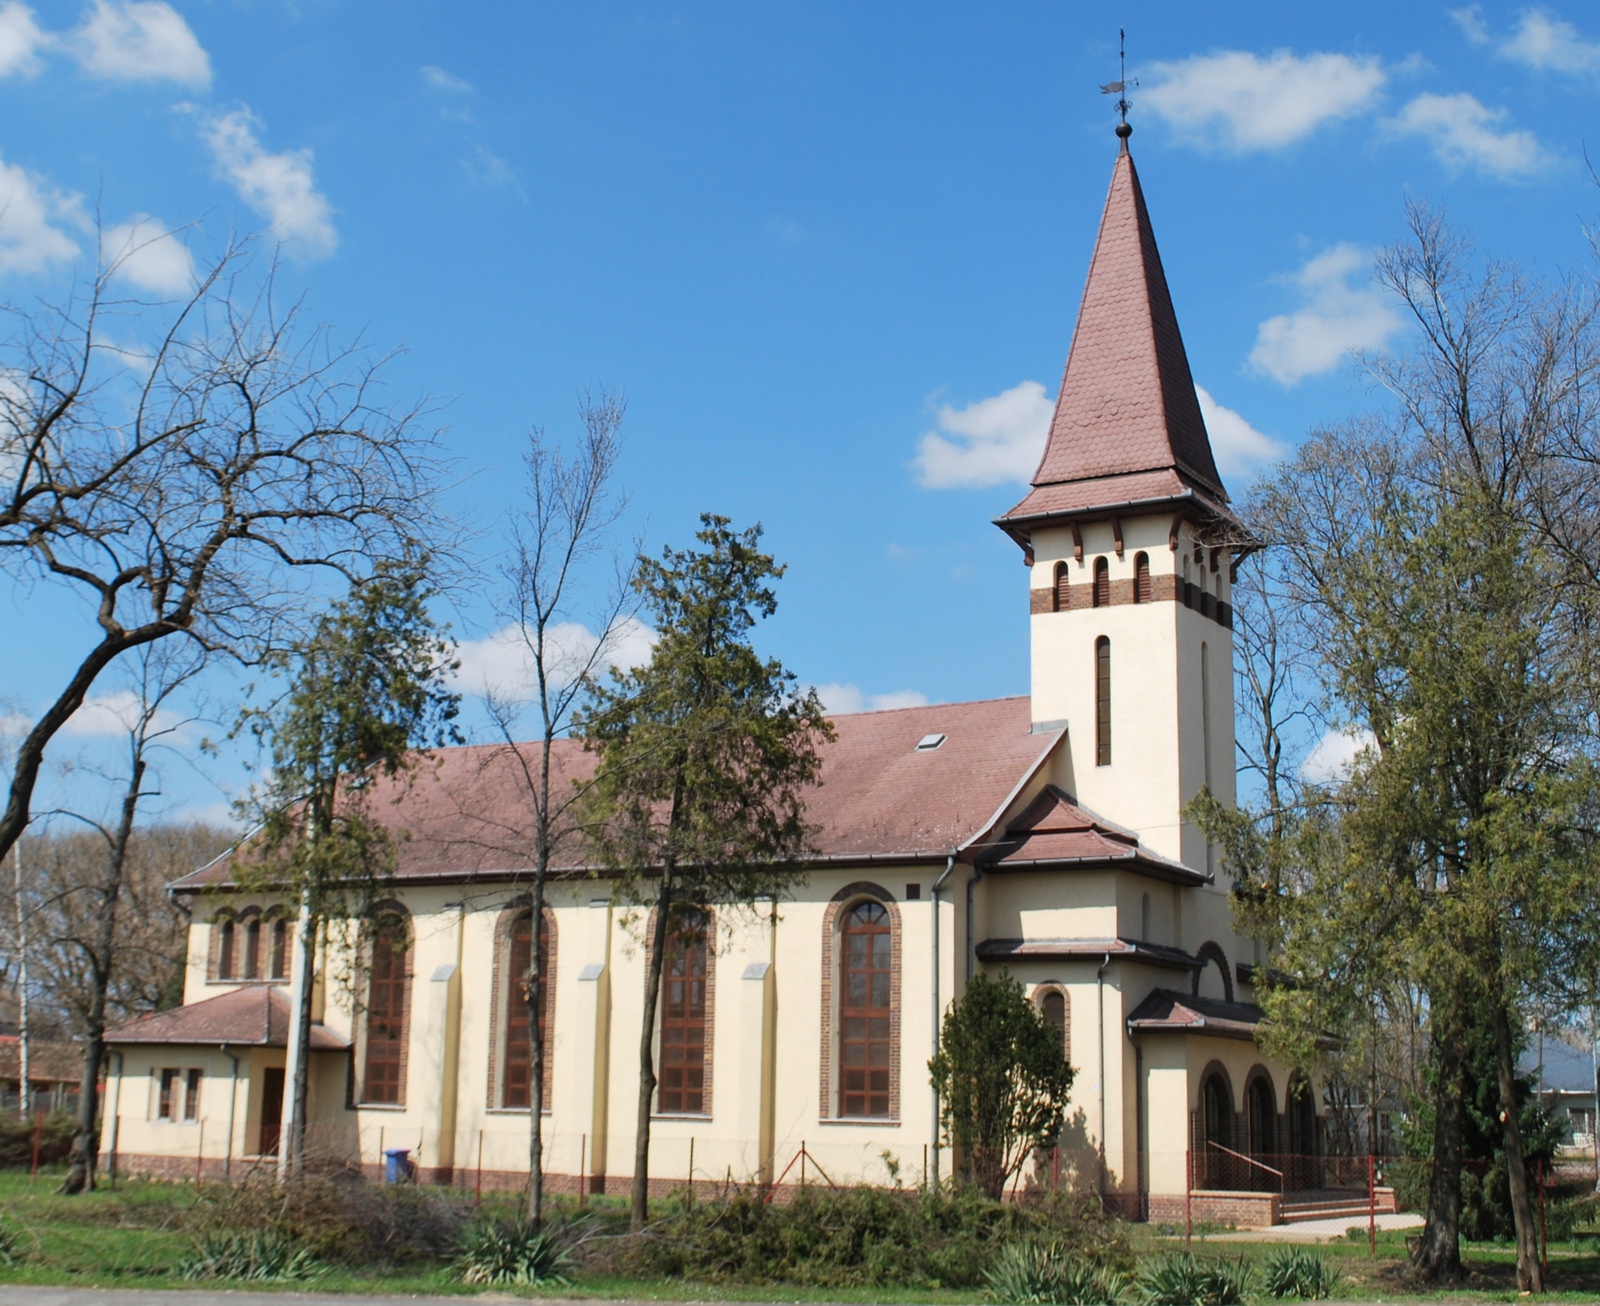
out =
column 832, row 252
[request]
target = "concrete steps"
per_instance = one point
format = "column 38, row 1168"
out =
column 1353, row 1205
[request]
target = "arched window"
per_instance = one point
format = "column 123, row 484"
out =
column 225, row 950
column 1216, row 1112
column 1055, row 1008
column 685, row 1022
column 280, row 950
column 1144, row 918
column 865, row 969
column 1302, row 1115
column 1102, row 583
column 388, row 1009
column 518, row 1078
column 1102, row 701
column 1260, row 1112
column 252, row 949
column 1142, row 591
column 1060, row 599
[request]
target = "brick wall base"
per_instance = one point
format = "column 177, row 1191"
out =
column 1242, row 1210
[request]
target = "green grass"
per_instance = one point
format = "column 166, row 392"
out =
column 135, row 1235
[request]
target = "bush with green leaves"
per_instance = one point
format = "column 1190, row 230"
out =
column 858, row 1237
column 18, row 1135
column 11, row 1252
column 1185, row 1280
column 1050, row 1274
column 1298, row 1274
column 250, row 1257
column 511, row 1253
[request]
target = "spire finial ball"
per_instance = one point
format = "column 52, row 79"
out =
column 1124, row 130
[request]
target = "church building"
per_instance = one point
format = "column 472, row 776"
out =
column 1043, row 834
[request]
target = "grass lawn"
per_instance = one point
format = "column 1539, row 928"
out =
column 136, row 1235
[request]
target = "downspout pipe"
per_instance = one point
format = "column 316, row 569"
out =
column 1100, row 1016
column 233, row 1099
column 972, row 947
column 933, row 900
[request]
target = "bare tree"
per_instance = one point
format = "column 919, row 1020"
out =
column 200, row 491
column 558, row 538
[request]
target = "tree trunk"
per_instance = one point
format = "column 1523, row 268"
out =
column 86, row 1139
column 647, row 1055
column 1437, row 1258
column 301, row 1088
column 535, row 992
column 1530, row 1276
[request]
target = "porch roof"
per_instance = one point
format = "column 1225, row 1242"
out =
column 1167, row 1012
column 256, row 1015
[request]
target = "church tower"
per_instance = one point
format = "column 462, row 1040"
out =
column 1130, row 547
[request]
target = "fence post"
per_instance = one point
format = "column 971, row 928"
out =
column 1055, row 1168
column 583, row 1167
column 924, row 1167
column 478, row 1201
column 691, row 1167
column 1544, row 1245
column 38, row 1124
column 802, row 1163
column 1188, row 1196
column 1372, row 1205
column 199, row 1155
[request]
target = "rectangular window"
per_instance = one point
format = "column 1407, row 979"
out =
column 280, row 950
column 519, row 1034
column 169, row 1079
column 191, row 1096
column 252, row 950
column 1102, row 701
column 865, row 1012
column 386, row 1018
column 683, row 1025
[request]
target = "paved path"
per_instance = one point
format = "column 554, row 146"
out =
column 1316, row 1231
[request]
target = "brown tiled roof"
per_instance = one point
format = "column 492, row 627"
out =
column 1181, row 1013
column 48, row 1059
column 256, row 1015
column 1151, row 954
column 1055, row 831
column 1127, row 404
column 879, row 798
column 1109, row 494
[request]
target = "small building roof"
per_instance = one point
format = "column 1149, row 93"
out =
column 256, row 1015
column 52, row 1060
column 1055, row 831
column 1152, row 954
column 1167, row 1012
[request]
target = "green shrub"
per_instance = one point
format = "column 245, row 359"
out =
column 858, row 1237
column 1183, row 1280
column 11, row 1253
column 253, row 1257
column 16, row 1139
column 1298, row 1274
column 1046, row 1274
column 505, row 1252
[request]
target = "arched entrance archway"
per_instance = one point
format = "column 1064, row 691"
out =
column 1261, row 1117
column 1213, row 1167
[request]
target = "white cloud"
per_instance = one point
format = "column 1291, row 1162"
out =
column 1548, row 43
column 30, row 209
column 500, row 663
column 841, row 700
column 114, row 713
column 1464, row 134
column 140, row 41
column 277, row 186
column 1335, row 754
column 20, row 40
column 988, row 442
column 1236, row 100
column 219, row 815
column 149, row 256
column 1238, row 446
column 443, row 81
column 1340, row 314
column 1470, row 21
column 485, row 168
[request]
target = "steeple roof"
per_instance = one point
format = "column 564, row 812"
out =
column 1127, row 427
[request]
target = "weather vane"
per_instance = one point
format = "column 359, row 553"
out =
column 1120, row 88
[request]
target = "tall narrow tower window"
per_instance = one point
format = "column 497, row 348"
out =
column 1102, row 583
column 1102, row 701
column 1205, row 710
column 1059, row 601
column 1141, row 578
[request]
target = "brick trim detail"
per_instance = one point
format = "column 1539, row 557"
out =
column 847, row 897
column 711, row 1002
column 500, row 992
column 1164, row 588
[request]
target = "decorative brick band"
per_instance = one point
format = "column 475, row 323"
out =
column 846, row 897
column 1165, row 588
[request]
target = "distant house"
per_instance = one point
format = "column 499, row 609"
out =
column 1566, row 1080
column 55, row 1069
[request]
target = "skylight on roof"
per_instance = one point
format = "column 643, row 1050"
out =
column 929, row 742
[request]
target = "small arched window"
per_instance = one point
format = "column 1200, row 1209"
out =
column 519, row 1031
column 1142, row 591
column 1060, row 598
column 1053, row 1006
column 252, row 949
column 225, row 951
column 1102, row 701
column 1217, row 1111
column 1302, row 1118
column 1102, row 583
column 1260, row 1107
column 280, row 950
column 865, row 1011
column 388, row 1010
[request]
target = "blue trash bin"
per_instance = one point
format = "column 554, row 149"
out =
column 396, row 1165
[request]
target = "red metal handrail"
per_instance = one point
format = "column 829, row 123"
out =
column 1243, row 1157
